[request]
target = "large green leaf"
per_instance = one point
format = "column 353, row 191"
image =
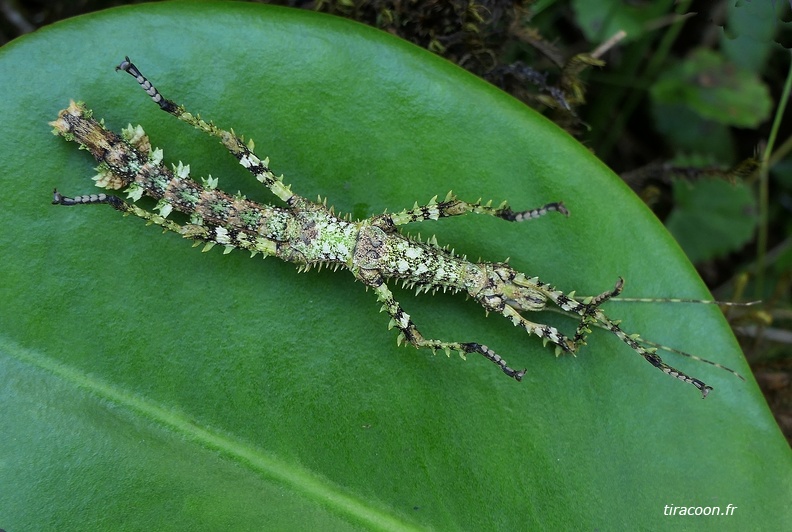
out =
column 148, row 386
column 715, row 89
column 722, row 215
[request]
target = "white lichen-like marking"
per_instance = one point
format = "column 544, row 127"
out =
column 311, row 235
column 133, row 192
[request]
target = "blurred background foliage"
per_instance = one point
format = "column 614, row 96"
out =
column 684, row 99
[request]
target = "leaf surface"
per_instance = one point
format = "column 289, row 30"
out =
column 148, row 384
column 708, row 84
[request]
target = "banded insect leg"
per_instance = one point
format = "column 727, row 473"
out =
column 200, row 233
column 409, row 333
column 591, row 314
column 234, row 144
column 452, row 206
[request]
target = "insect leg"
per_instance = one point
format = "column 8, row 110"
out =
column 649, row 354
column 89, row 199
column 211, row 234
column 118, row 204
column 234, row 144
column 545, row 332
column 409, row 333
column 591, row 314
column 451, row 206
column 588, row 311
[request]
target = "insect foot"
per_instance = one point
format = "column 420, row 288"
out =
column 310, row 235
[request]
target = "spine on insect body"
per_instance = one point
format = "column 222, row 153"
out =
column 429, row 267
column 416, row 263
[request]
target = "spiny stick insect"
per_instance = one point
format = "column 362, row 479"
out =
column 307, row 233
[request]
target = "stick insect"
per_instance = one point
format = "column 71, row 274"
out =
column 309, row 234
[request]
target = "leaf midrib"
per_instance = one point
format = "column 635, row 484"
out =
column 255, row 459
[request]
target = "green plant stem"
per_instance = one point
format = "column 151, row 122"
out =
column 783, row 150
column 764, row 171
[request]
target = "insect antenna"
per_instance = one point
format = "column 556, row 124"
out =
column 683, row 300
